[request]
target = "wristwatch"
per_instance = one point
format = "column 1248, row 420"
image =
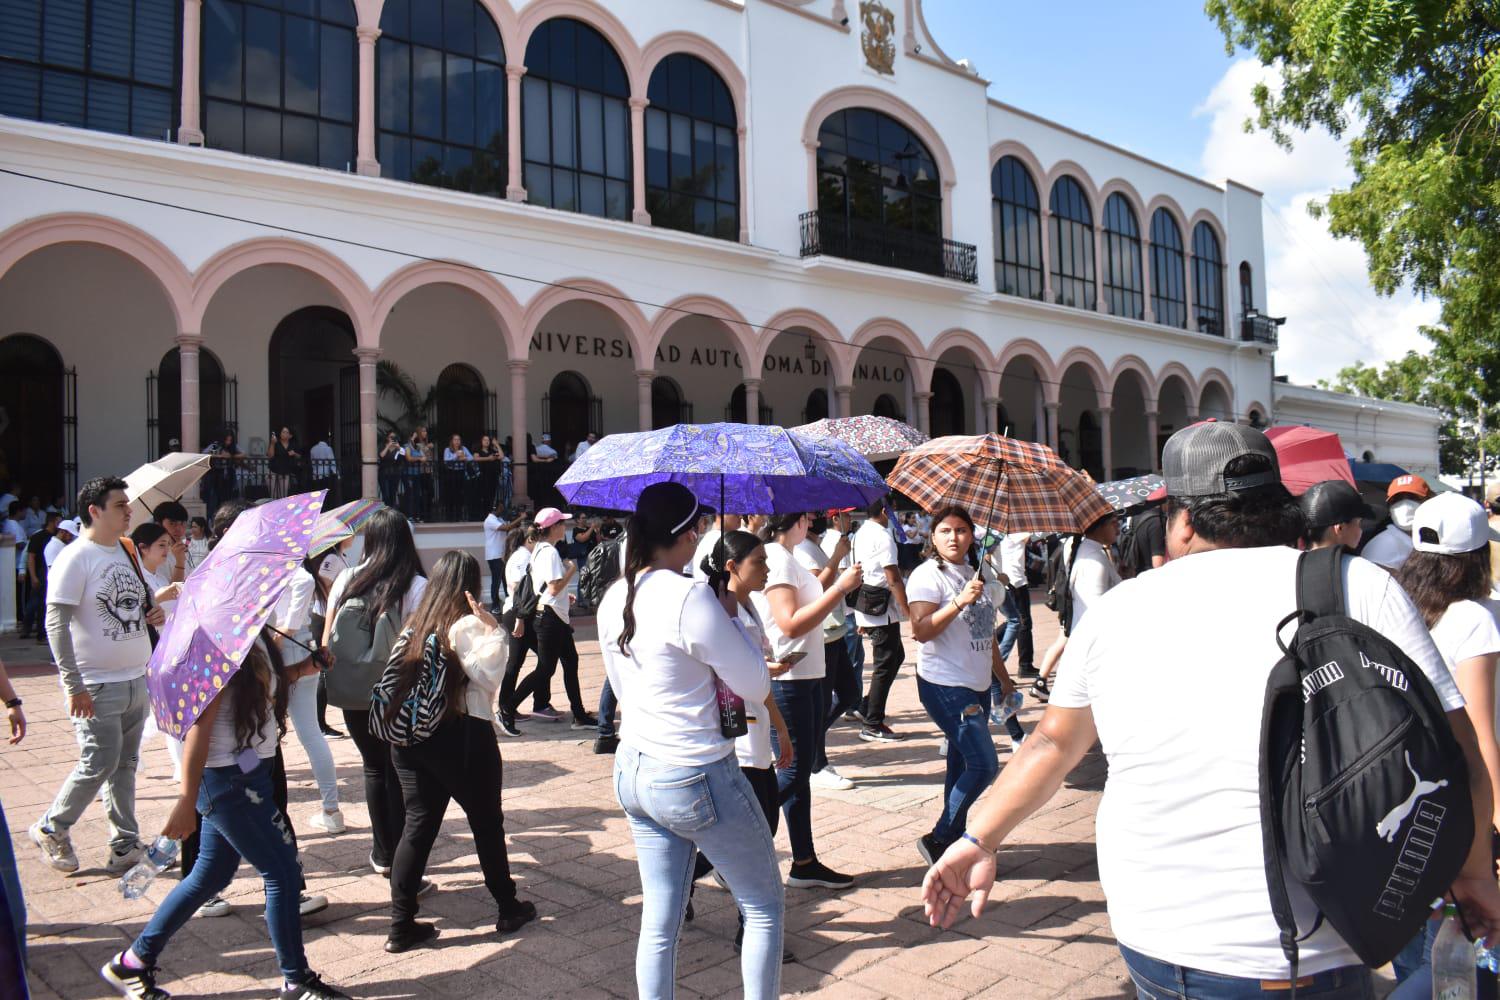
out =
column 13, row 703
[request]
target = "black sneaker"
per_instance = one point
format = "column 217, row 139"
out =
column 1029, row 672
column 516, row 915
column 331, row 733
column 313, row 988
column 929, row 848
column 787, row 958
column 138, row 984
column 585, row 721
column 606, row 744
column 506, row 723
column 879, row 734
column 406, row 938
column 816, row 875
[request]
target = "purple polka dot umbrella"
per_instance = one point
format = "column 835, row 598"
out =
column 225, row 603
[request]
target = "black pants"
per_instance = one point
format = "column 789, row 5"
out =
column 278, row 795
column 509, row 699
column 459, row 763
column 889, row 655
column 1025, row 651
column 554, row 643
column 497, row 578
column 382, row 790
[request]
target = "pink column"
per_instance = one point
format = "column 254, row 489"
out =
column 1147, row 312
column 643, row 380
column 365, row 161
column 518, row 454
column 1046, row 255
column 188, row 347
column 369, row 402
column 638, row 159
column 514, row 190
column 752, row 400
column 923, row 402
column 1052, row 409
column 844, row 394
column 744, row 190
column 1107, row 441
column 992, row 414
column 190, row 132
column 1099, row 263
column 1153, row 430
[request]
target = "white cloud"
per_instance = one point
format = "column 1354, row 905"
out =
column 1319, row 283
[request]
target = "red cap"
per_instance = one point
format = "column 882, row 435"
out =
column 1410, row 485
column 1160, row 493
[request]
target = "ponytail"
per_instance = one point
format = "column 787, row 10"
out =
column 638, row 555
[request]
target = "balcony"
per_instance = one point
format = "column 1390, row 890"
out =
column 1260, row 329
column 873, row 243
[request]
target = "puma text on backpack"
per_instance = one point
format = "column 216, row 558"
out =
column 1364, row 791
column 599, row 571
column 360, row 650
column 422, row 709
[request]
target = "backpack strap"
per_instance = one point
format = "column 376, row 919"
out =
column 1271, row 839
column 1320, row 583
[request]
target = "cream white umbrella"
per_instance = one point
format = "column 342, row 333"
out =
column 167, row 478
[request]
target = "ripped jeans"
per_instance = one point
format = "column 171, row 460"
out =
column 964, row 717
column 240, row 820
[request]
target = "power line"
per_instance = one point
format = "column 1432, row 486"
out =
column 410, row 255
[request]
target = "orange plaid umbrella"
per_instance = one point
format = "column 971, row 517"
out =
column 1005, row 485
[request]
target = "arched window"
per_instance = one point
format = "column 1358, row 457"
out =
column 1247, row 289
column 39, row 441
column 692, row 150
column 279, row 79
column 886, row 406
column 442, row 96
column 460, row 399
column 109, row 65
column 575, row 123
column 667, row 405
column 817, row 406
column 1168, row 283
column 1072, row 245
column 945, row 409
column 1123, row 291
column 1208, row 280
column 879, row 194
column 1017, row 219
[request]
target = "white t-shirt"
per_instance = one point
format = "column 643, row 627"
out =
column 581, row 450
column 874, row 550
column 683, row 639
column 515, row 567
column 54, row 549
column 109, row 621
column 705, row 546
column 17, row 533
column 1013, row 557
column 545, row 450
column 157, row 581
column 1466, row 630
column 786, row 571
column 409, row 600
column 961, row 654
column 1094, row 574
column 831, row 541
column 754, row 748
column 812, row 557
column 546, row 566
column 1173, row 665
column 222, row 740
column 494, row 538
column 293, row 613
column 1389, row 548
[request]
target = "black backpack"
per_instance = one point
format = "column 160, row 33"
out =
column 524, row 601
column 1364, row 791
column 1059, row 580
column 599, row 571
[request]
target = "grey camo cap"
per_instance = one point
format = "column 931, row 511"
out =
column 1193, row 461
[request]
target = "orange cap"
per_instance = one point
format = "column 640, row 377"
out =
column 1408, row 484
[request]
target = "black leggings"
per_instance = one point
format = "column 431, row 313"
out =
column 519, row 646
column 554, row 642
column 382, row 790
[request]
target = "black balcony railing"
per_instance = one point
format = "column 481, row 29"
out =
column 1262, row 329
column 873, row 243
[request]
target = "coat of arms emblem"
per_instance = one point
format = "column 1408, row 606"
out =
column 877, row 36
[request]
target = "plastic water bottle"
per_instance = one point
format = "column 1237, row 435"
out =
column 1485, row 958
column 1453, row 976
column 1010, row 706
column 159, row 856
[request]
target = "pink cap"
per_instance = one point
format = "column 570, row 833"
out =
column 548, row 516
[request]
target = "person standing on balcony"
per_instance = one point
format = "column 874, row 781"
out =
column 283, row 466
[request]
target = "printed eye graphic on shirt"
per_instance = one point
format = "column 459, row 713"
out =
column 121, row 603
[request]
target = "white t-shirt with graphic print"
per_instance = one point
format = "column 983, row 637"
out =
column 109, row 620
column 960, row 655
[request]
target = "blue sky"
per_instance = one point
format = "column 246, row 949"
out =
column 1155, row 78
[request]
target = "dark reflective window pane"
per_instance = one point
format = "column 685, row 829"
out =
column 487, row 43
column 460, row 100
column 427, row 23
column 536, row 120
column 224, row 126
column 20, row 90
column 21, row 31
column 262, row 133
column 393, row 88
column 62, row 98
column 299, row 139
column 155, row 42
column 65, row 34
column 656, row 148
column 337, row 78
column 697, row 148
column 538, row 184
column 591, row 136
column 109, row 106
column 301, row 65
column 338, row 11
column 109, row 32
column 489, row 107
column 335, row 146
column 223, row 66
column 262, row 56
column 427, row 92
column 458, row 26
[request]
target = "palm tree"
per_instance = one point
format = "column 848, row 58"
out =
column 392, row 380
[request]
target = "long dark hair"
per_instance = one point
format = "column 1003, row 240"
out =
column 391, row 563
column 643, row 540
column 253, row 703
column 445, row 601
column 1434, row 581
column 938, row 517
column 732, row 546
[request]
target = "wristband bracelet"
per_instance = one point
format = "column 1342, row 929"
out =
column 975, row 841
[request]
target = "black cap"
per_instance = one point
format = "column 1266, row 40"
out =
column 669, row 508
column 1331, row 502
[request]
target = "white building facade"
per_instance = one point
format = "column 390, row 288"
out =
column 1372, row 430
column 565, row 216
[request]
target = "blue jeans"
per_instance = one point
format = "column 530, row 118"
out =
column 802, row 706
column 854, row 643
column 964, row 717
column 240, row 820
column 607, row 705
column 12, row 920
column 1156, row 980
column 673, row 809
column 1414, row 965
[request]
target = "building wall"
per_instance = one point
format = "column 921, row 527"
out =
column 1398, row 433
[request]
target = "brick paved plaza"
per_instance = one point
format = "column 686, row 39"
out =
column 1045, row 935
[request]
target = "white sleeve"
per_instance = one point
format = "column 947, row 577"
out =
column 482, row 651
column 1090, row 579
column 1481, row 635
column 1070, row 688
column 925, row 585
column 706, row 634
column 885, row 551
column 413, row 596
column 1396, row 618
column 336, row 592
column 546, row 566
column 294, row 614
column 66, row 579
column 780, row 569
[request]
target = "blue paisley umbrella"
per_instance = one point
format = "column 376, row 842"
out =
column 740, row 468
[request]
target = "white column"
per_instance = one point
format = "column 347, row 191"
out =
column 365, row 161
column 643, row 380
column 922, row 403
column 752, row 400
column 639, row 214
column 518, row 456
column 844, row 394
column 1052, row 409
column 188, row 347
column 1153, row 429
column 1106, row 440
column 992, row 414
column 190, row 132
column 514, row 189
column 369, row 401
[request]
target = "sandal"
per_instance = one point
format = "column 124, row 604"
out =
column 1039, row 690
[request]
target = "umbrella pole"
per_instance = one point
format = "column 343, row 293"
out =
column 994, row 502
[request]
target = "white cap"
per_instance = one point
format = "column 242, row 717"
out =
column 1451, row 524
column 72, row 526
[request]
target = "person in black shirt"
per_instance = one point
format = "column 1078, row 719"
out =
column 36, row 580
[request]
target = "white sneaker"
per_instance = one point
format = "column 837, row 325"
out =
column 1015, row 743
column 943, row 747
column 328, row 822
column 121, row 862
column 829, row 778
column 217, row 906
column 57, row 848
column 308, row 905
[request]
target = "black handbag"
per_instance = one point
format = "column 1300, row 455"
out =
column 873, row 601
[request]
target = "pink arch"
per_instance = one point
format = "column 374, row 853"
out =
column 1256, row 406
column 879, row 100
column 958, row 339
column 741, row 336
column 588, row 290
column 1214, row 376
column 596, row 16
column 1031, row 351
column 839, row 353
column 1010, row 147
column 503, row 305
column 1096, row 368
column 27, row 237
column 1204, row 215
column 1074, row 170
column 346, row 286
column 1132, row 363
column 1131, row 195
column 916, row 355
column 1175, row 211
column 695, row 44
column 1189, row 384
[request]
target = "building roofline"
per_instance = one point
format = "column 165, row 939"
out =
column 1333, row 397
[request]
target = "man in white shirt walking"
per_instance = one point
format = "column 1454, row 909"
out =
column 1168, row 672
column 878, row 612
column 96, row 624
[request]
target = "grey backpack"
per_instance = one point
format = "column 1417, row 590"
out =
column 360, row 651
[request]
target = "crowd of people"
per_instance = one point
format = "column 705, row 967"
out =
column 732, row 645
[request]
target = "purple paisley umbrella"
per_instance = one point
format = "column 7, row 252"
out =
column 225, row 603
column 739, row 468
